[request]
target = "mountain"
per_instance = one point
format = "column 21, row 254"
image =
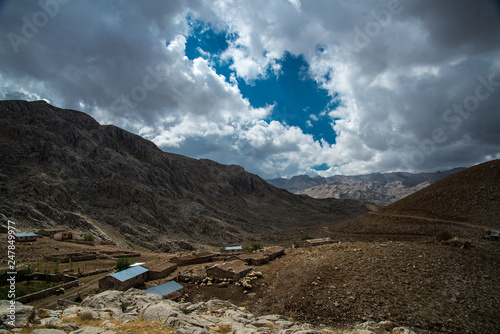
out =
column 472, row 195
column 379, row 188
column 61, row 168
column 465, row 204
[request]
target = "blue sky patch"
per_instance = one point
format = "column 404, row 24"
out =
column 298, row 99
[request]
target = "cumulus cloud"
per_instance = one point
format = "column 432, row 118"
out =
column 417, row 82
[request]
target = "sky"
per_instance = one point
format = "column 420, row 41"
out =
column 282, row 87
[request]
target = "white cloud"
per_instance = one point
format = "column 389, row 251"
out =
column 395, row 83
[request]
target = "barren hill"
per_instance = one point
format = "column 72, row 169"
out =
column 472, row 196
column 60, row 167
column 465, row 204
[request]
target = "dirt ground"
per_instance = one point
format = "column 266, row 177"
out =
column 424, row 285
column 420, row 284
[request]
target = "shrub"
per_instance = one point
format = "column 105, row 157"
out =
column 123, row 263
column 223, row 329
column 85, row 316
column 247, row 249
column 306, row 237
column 443, row 236
column 256, row 246
column 88, row 237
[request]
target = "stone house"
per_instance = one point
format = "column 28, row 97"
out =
column 25, row 237
column 254, row 259
column 61, row 236
column 232, row 270
column 194, row 258
column 159, row 268
column 77, row 235
column 274, row 252
column 124, row 280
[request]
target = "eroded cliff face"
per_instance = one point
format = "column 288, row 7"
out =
column 60, row 167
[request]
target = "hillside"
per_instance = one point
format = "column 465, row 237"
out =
column 61, row 168
column 472, row 196
column 464, row 204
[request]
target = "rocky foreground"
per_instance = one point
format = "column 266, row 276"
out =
column 135, row 311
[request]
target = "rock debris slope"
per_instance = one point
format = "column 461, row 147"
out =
column 60, row 167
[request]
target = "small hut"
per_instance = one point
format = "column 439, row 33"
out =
column 25, row 237
column 232, row 270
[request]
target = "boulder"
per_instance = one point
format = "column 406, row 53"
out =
column 161, row 312
column 377, row 328
column 15, row 314
column 126, row 301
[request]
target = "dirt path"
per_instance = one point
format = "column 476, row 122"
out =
column 481, row 227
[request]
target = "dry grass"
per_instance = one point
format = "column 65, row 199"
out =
column 138, row 326
column 223, row 329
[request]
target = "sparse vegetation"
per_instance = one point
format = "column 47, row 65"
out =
column 27, row 287
column 223, row 329
column 306, row 237
column 256, row 246
column 85, row 316
column 88, row 237
column 185, row 311
column 55, row 268
column 123, row 263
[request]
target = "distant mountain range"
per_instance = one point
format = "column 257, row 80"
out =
column 379, row 188
column 61, row 168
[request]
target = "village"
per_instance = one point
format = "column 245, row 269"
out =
column 78, row 258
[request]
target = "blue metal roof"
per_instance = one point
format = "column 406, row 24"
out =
column 26, row 234
column 495, row 235
column 165, row 289
column 234, row 248
column 129, row 273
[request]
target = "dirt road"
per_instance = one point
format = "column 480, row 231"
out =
column 481, row 227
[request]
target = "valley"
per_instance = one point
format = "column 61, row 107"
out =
column 426, row 262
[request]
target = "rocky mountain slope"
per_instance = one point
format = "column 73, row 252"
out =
column 61, row 168
column 379, row 188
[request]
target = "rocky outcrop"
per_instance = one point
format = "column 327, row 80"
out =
column 113, row 310
column 60, row 168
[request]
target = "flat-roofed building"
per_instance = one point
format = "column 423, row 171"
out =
column 124, row 280
column 168, row 290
